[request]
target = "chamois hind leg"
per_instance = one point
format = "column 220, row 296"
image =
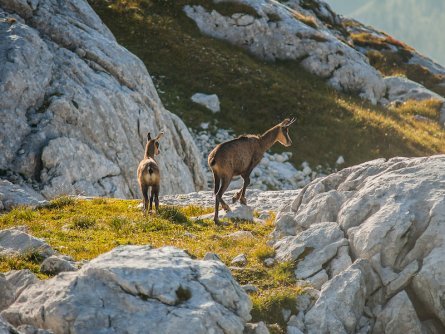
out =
column 151, row 199
column 155, row 190
column 217, row 182
column 225, row 181
column 144, row 191
column 246, row 178
column 218, row 198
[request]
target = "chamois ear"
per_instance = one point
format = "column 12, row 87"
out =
column 159, row 136
column 148, row 136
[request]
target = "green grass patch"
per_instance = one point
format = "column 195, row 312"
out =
column 89, row 228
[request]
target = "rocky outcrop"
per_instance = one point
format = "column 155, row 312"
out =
column 387, row 219
column 76, row 106
column 325, row 44
column 136, row 289
column 271, row 30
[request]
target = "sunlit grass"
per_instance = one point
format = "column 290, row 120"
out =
column 84, row 229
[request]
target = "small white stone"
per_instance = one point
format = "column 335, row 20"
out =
column 240, row 260
column 340, row 160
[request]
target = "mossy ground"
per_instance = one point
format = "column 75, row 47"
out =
column 85, row 229
column 255, row 94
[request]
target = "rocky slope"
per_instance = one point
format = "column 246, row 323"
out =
column 371, row 237
column 76, row 106
column 311, row 33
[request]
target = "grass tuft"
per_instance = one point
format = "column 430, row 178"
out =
column 83, row 222
column 60, row 202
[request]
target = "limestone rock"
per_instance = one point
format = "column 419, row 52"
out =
column 258, row 328
column 391, row 216
column 289, row 38
column 7, row 293
column 12, row 195
column 15, row 241
column 257, row 199
column 250, row 288
column 55, row 265
column 340, row 305
column 398, row 316
column 76, row 106
column 211, row 101
column 239, row 260
column 312, row 248
column 136, row 289
column 212, row 257
column 403, row 89
column 243, row 212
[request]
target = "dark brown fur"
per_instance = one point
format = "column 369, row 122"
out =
column 239, row 157
column 149, row 174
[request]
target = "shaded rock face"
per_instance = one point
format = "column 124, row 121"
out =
column 387, row 218
column 136, row 289
column 76, row 106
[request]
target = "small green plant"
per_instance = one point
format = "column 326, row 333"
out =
column 83, row 222
column 172, row 214
column 118, row 224
column 60, row 202
column 268, row 305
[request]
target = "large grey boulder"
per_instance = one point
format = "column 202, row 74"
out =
column 15, row 241
column 76, row 106
column 12, row 195
column 392, row 216
column 136, row 289
column 276, row 32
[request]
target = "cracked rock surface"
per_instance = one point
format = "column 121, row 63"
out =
column 136, row 289
column 387, row 218
column 76, row 106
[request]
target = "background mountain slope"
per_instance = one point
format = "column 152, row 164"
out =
column 255, row 94
column 418, row 23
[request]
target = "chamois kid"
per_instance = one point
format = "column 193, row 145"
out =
column 239, row 157
column 149, row 174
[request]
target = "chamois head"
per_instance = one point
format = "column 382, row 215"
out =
column 152, row 147
column 283, row 133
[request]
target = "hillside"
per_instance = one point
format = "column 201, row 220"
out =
column 418, row 23
column 255, row 94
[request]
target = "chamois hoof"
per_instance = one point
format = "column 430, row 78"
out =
column 226, row 207
column 243, row 201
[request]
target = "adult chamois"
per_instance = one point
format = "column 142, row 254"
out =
column 239, row 157
column 149, row 174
